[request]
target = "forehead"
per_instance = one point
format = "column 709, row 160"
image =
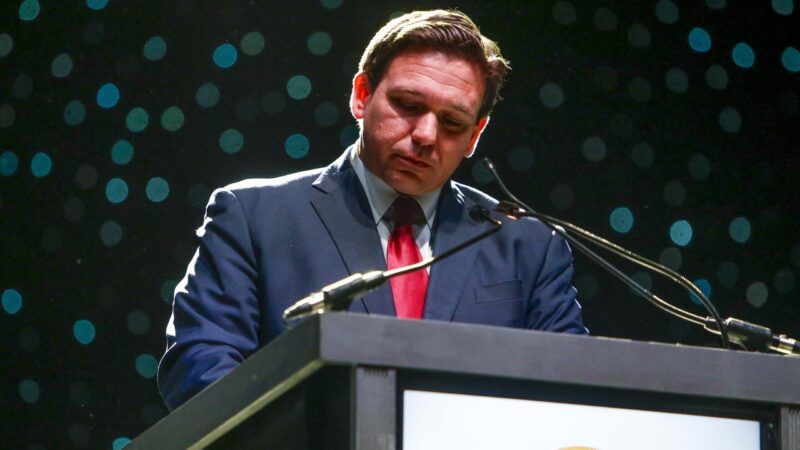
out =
column 436, row 75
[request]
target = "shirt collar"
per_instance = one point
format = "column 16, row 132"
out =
column 381, row 195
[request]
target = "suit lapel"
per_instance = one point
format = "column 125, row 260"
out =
column 342, row 206
column 448, row 277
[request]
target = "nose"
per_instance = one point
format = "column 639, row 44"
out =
column 425, row 127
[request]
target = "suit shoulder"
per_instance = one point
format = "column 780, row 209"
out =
column 475, row 195
column 253, row 186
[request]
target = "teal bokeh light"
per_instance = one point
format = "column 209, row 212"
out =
column 699, row 40
column 297, row 146
column 681, row 233
column 122, row 152
column 41, row 165
column 743, row 55
column 146, row 365
column 740, row 229
column 84, row 331
column 29, row 10
column 704, row 286
column 790, row 58
column 667, row 11
column 298, row 87
column 155, row 48
column 621, row 219
column 6, row 44
column 137, row 120
column 12, row 301
column 120, row 443
column 96, row 4
column 231, row 141
column 74, row 113
column 783, row 7
column 110, row 233
column 319, row 43
column 157, row 189
column 62, row 65
column 116, row 190
column 29, row 391
column 225, row 56
column 331, row 4
column 8, row 163
column 730, row 120
column 207, row 95
column 107, row 95
column 172, row 119
column 252, row 43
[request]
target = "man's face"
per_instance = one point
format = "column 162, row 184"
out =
column 421, row 120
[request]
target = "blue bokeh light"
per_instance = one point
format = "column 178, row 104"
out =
column 699, row 40
column 298, row 87
column 41, row 164
column 96, row 4
column 225, row 56
column 743, row 55
column 137, row 119
column 621, row 219
column 297, row 146
column 29, row 391
column 84, row 331
column 8, row 163
column 146, row 365
column 74, row 113
column 122, row 152
column 207, row 95
column 681, row 233
column 108, row 95
column 155, row 48
column 704, row 286
column 116, row 190
column 120, row 443
column 790, row 58
column 740, row 229
column 157, row 189
column 12, row 301
column 231, row 141
column 29, row 10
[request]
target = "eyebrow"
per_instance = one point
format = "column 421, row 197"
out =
column 456, row 106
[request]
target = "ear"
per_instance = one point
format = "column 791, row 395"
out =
column 361, row 92
column 473, row 142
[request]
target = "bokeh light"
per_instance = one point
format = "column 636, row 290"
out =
column 348, row 135
column 564, row 13
column 639, row 36
column 319, row 43
column 7, row 115
column 520, row 159
column 621, row 219
column 676, row 80
column 172, row 118
column 667, row 11
column 231, row 141
column 727, row 274
column 594, row 149
column 699, row 166
column 74, row 113
column 730, row 120
column 155, row 48
column 699, row 40
column 96, row 4
column 122, row 152
column 146, row 365
column 331, row 4
column 12, row 301
column 681, row 233
column 138, row 323
column 252, row 43
column 8, row 163
column 480, row 174
column 225, row 56
column 110, row 233
column 116, row 190
column 757, row 294
column 717, row 77
column 551, row 95
column 6, row 44
column 120, row 443
column 41, row 165
column 704, row 286
column 108, row 95
column 605, row 19
column 783, row 7
column 297, row 146
column 157, row 189
column 743, row 55
column 717, row 4
column 326, row 114
column 783, row 280
column 84, row 331
column 740, row 229
column 790, row 58
column 642, row 155
column 29, row 10
column 29, row 391
column 298, row 87
column 207, row 95
column 137, row 119
column 22, row 87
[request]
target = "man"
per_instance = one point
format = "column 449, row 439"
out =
column 425, row 87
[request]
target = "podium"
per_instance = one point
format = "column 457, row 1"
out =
column 342, row 380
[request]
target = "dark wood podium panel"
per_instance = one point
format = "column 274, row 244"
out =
column 336, row 381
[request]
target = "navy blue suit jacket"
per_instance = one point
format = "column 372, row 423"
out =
column 266, row 243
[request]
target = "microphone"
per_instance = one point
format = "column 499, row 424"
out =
column 338, row 296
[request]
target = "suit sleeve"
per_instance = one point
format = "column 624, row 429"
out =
column 215, row 313
column 554, row 305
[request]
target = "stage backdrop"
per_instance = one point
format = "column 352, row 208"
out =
column 670, row 128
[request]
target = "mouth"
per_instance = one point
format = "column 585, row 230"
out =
column 411, row 162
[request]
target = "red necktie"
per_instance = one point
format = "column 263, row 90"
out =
column 409, row 289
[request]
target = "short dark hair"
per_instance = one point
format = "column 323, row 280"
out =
column 451, row 32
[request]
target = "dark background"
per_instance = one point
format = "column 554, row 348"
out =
column 639, row 123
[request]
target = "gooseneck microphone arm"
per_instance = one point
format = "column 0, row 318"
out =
column 339, row 295
column 519, row 209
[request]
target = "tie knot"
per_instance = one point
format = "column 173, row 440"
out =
column 406, row 211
